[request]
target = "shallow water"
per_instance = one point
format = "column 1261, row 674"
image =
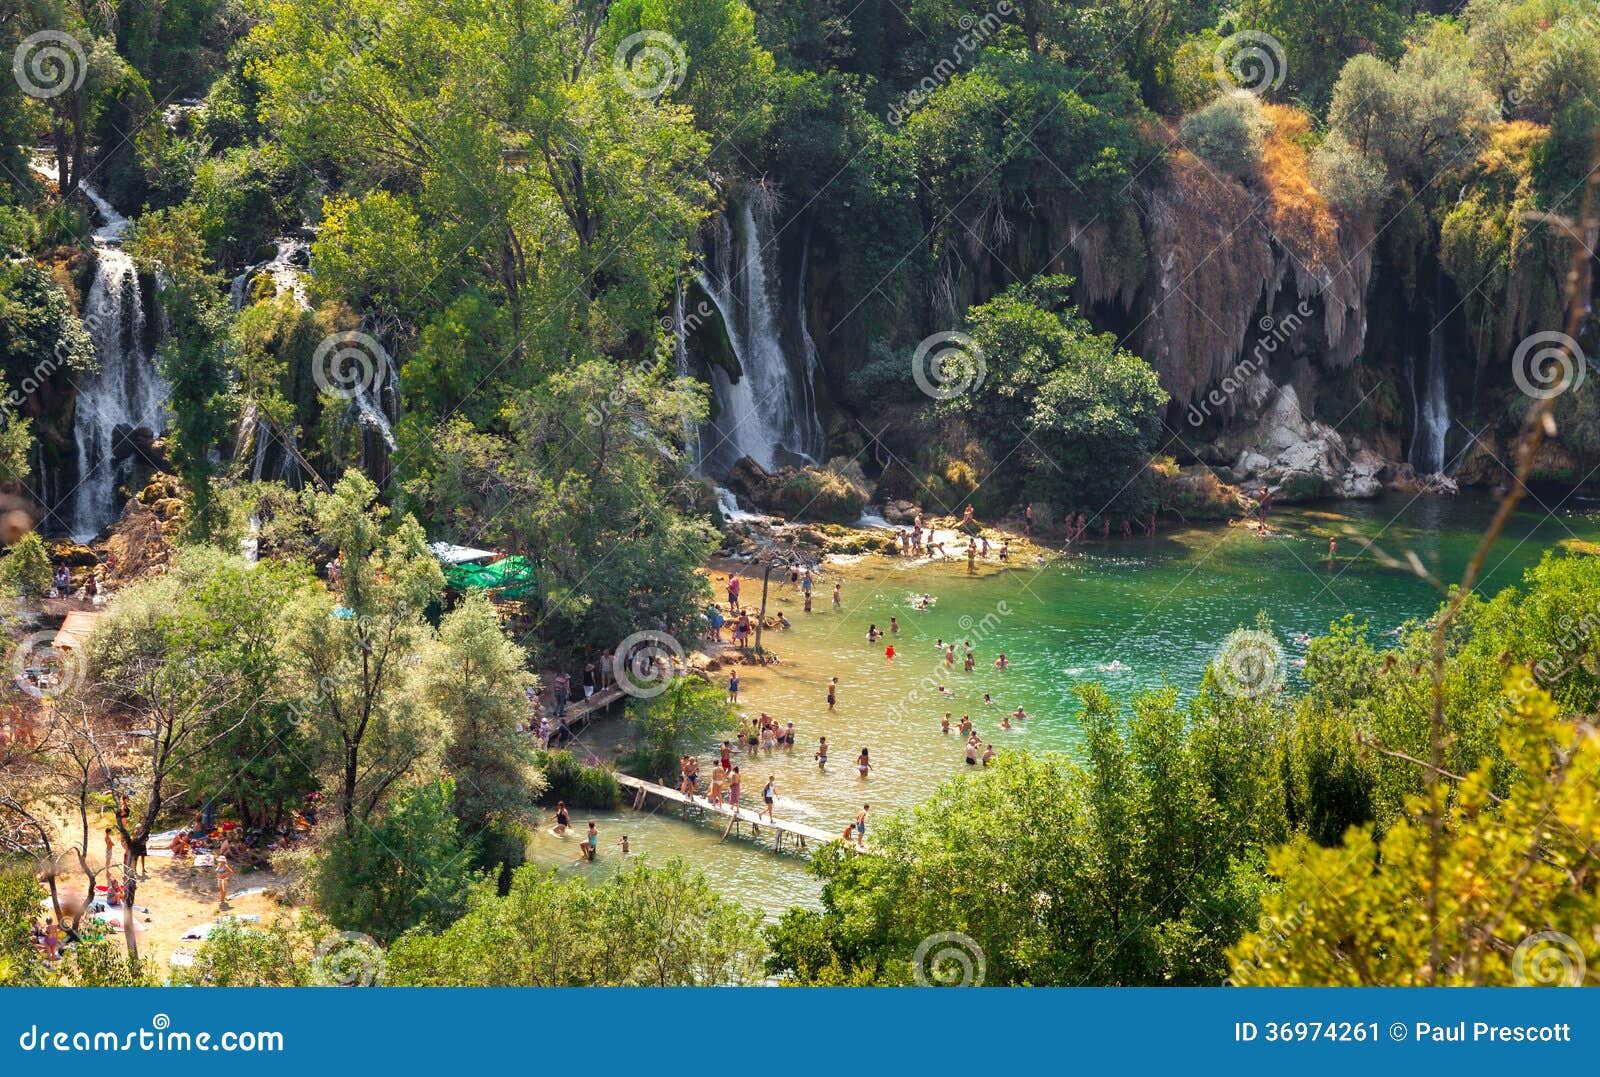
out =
column 1159, row 607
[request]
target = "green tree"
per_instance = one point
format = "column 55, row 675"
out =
column 688, row 714
column 476, row 678
column 1316, row 37
column 1228, row 132
column 349, row 669
column 588, row 484
column 27, row 566
column 410, row 866
column 644, row 926
column 192, row 354
column 1080, row 414
column 1517, row 908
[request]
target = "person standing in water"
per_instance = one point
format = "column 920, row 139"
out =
column 863, row 764
column 733, row 686
column 836, row 596
column 822, row 755
column 833, row 691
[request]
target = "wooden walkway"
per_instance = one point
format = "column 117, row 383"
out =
column 782, row 829
column 580, row 710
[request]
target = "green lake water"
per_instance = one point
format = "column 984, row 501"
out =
column 1159, row 607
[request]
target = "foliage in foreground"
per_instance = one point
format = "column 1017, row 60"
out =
column 1502, row 894
column 647, row 925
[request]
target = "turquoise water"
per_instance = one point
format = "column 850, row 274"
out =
column 1158, row 608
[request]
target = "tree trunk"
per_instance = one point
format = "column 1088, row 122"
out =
column 129, row 938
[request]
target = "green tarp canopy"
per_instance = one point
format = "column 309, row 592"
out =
column 509, row 577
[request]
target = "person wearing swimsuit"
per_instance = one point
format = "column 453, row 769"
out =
column 863, row 764
column 563, row 820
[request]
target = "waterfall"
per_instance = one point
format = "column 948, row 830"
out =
column 1432, row 407
column 768, row 412
column 255, row 437
column 127, row 395
column 681, row 329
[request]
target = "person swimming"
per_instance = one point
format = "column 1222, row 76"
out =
column 1113, row 666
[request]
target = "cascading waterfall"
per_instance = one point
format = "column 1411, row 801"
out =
column 256, row 437
column 769, row 413
column 1431, row 403
column 127, row 397
column 680, row 351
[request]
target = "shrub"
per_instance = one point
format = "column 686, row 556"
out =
column 1227, row 133
column 825, row 493
column 1349, row 180
column 27, row 565
column 581, row 786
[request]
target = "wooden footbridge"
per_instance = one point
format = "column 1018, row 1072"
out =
column 783, row 830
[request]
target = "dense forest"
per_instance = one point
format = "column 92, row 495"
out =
column 323, row 281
